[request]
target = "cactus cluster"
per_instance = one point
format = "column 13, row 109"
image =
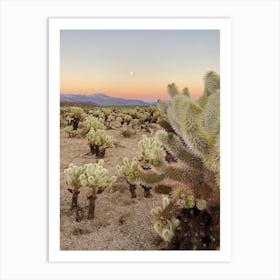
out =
column 81, row 119
column 94, row 177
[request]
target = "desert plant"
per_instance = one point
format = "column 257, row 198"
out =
column 165, row 224
column 151, row 151
column 127, row 132
column 77, row 115
column 91, row 123
column 99, row 141
column 147, row 190
column 128, row 170
column 96, row 178
column 71, row 132
column 73, row 174
column 191, row 133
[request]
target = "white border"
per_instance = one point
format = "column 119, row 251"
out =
column 55, row 255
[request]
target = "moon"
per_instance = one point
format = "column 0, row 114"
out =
column 131, row 74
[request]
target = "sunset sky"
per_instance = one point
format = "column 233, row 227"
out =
column 136, row 64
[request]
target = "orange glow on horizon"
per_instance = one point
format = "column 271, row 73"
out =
column 141, row 92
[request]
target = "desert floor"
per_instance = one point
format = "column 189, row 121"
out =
column 120, row 223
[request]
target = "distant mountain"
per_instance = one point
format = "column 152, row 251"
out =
column 100, row 99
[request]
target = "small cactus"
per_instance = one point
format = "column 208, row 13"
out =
column 99, row 141
column 77, row 115
column 91, row 123
column 73, row 174
column 129, row 170
column 96, row 178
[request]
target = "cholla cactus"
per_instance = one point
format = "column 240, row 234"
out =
column 99, row 141
column 151, row 150
column 129, row 170
column 71, row 132
column 127, row 132
column 191, row 133
column 166, row 223
column 96, row 178
column 91, row 123
column 77, row 115
column 73, row 174
column 127, row 119
column 195, row 142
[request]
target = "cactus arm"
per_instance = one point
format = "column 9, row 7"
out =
column 177, row 148
column 183, row 115
column 149, row 177
column 181, row 174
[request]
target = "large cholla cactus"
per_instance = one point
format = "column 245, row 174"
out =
column 195, row 142
column 91, row 123
column 96, row 178
column 191, row 134
column 73, row 174
column 129, row 170
column 99, row 141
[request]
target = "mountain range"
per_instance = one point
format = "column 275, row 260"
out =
column 103, row 100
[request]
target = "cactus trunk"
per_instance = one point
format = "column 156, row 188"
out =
column 132, row 190
column 147, row 193
column 101, row 153
column 91, row 206
column 74, row 203
column 93, row 149
column 75, row 124
column 147, row 190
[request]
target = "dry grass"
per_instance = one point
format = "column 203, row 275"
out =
column 120, row 223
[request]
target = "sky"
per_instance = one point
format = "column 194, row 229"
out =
column 136, row 64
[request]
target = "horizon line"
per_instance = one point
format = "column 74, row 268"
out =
column 127, row 98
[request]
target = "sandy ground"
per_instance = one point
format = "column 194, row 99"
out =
column 120, row 223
